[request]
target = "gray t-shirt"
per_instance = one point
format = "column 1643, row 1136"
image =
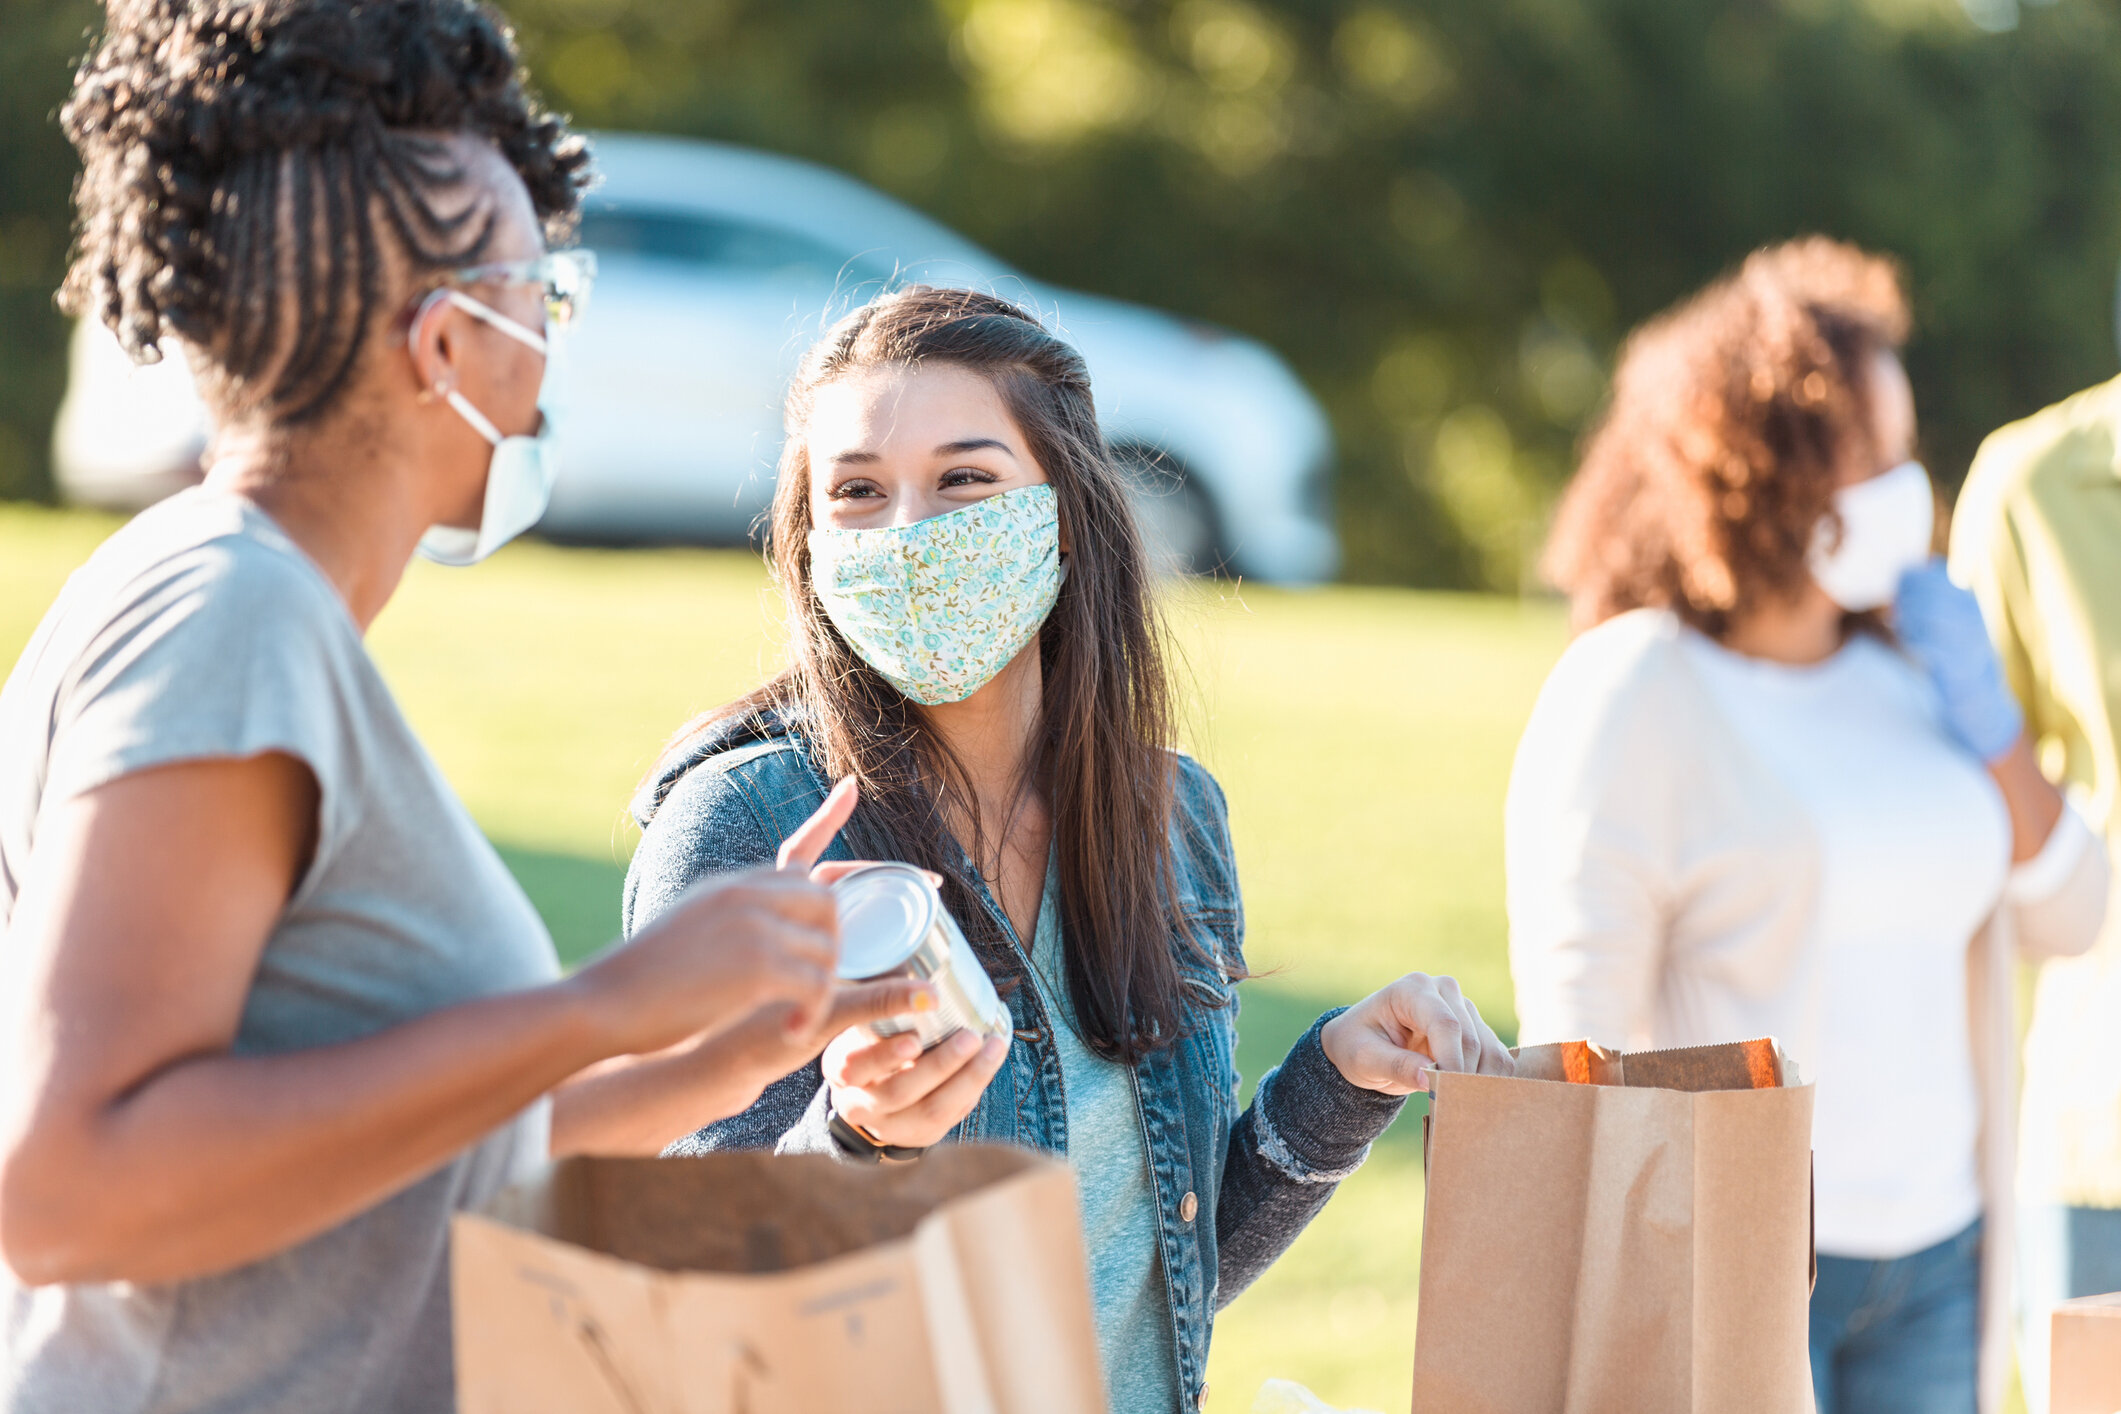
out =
column 200, row 630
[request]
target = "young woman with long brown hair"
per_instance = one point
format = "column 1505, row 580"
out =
column 973, row 640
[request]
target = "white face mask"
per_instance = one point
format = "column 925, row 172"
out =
column 1886, row 524
column 520, row 474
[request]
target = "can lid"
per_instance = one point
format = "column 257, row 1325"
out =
column 885, row 912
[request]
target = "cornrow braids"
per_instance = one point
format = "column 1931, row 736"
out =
column 250, row 168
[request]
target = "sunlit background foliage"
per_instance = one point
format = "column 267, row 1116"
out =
column 1444, row 212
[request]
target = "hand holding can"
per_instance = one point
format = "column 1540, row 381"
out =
column 908, row 1081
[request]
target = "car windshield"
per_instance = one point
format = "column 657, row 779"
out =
column 724, row 244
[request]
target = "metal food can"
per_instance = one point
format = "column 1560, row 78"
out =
column 893, row 924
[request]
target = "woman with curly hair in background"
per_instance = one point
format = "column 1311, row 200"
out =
column 272, row 1007
column 1776, row 787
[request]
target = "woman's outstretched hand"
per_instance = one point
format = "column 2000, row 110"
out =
column 1392, row 1039
column 641, row 1104
column 731, row 945
column 638, row 1103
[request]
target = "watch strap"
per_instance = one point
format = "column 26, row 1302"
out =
column 860, row 1145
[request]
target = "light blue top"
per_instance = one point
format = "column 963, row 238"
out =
column 1111, row 1162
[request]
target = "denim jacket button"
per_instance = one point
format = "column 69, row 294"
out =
column 1202, row 1402
column 1187, row 1207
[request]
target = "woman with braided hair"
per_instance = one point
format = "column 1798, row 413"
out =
column 272, row 1008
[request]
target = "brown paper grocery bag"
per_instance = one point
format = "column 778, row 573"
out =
column 1618, row 1234
column 750, row 1284
column 2084, row 1371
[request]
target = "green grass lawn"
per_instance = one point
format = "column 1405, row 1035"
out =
column 1363, row 736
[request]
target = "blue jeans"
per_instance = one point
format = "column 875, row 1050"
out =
column 1900, row 1336
column 2062, row 1252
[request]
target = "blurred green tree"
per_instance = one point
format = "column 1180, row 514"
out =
column 40, row 41
column 1446, row 213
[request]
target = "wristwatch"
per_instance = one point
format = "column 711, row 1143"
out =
column 860, row 1145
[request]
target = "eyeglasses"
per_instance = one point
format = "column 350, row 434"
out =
column 565, row 275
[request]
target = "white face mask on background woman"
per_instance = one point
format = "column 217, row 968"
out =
column 1886, row 525
column 519, row 476
column 940, row 606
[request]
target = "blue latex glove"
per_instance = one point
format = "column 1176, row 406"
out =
column 1939, row 624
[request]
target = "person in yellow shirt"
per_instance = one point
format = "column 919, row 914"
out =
column 2037, row 537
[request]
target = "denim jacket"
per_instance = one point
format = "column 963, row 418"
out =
column 1233, row 1189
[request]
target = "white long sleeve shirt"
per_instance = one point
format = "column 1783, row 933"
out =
column 1706, row 847
column 1914, row 849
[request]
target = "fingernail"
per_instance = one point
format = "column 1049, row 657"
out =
column 964, row 1043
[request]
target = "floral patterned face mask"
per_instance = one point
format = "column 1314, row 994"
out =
column 940, row 606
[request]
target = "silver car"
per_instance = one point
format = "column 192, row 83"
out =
column 717, row 266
